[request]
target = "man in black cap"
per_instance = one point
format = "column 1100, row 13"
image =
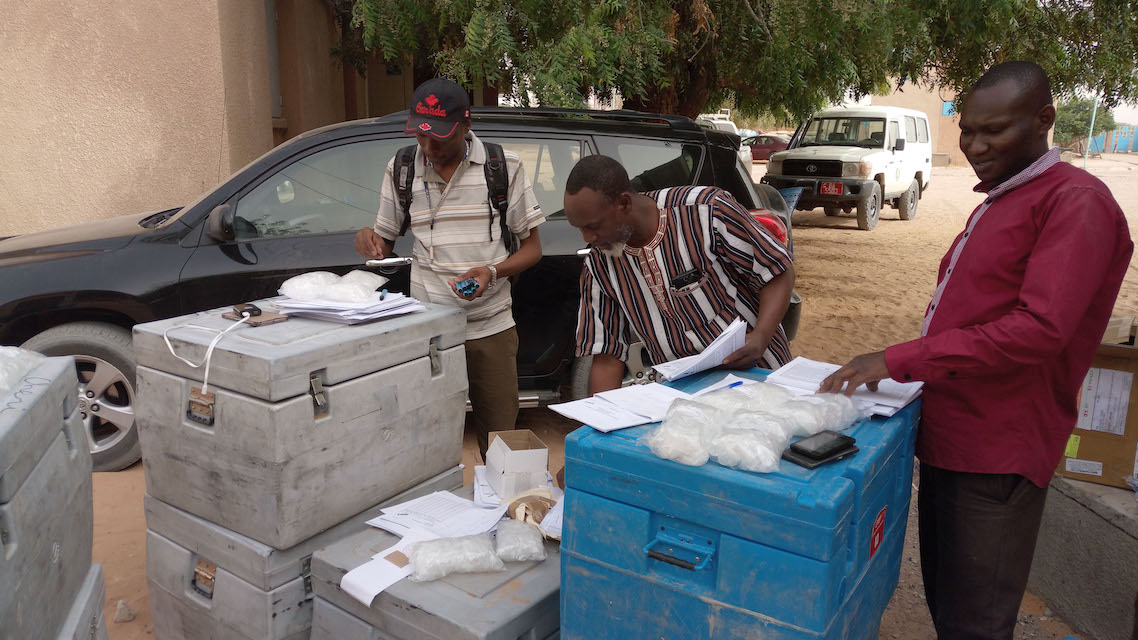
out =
column 474, row 217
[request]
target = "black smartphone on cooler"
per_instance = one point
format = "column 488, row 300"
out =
column 820, row 448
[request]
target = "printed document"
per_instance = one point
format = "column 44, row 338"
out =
column 805, row 375
column 441, row 513
column 630, row 406
column 728, row 342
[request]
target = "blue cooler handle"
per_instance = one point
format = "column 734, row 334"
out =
column 702, row 554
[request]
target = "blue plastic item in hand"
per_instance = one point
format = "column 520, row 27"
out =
column 467, row 287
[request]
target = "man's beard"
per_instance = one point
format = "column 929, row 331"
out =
column 615, row 249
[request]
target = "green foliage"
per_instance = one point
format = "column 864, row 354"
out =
column 774, row 58
column 1073, row 120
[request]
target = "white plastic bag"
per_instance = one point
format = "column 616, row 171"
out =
column 15, row 363
column 760, row 396
column 681, row 435
column 809, row 414
column 749, row 440
column 519, row 541
column 356, row 286
column 434, row 559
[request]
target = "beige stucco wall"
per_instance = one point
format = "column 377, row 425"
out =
column 312, row 82
column 119, row 106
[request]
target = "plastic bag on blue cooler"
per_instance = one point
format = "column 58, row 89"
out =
column 809, row 414
column 681, row 435
column 760, row 396
column 434, row 559
column 519, row 541
column 750, row 440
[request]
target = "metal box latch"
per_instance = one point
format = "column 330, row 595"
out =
column 319, row 398
column 204, row 573
column 200, row 407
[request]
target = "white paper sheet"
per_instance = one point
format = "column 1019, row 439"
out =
column 441, row 513
column 552, row 522
column 728, row 342
column 648, row 400
column 806, row 375
column 368, row 580
column 729, row 381
column 1105, row 400
column 600, row 414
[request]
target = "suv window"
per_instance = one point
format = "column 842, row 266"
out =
column 547, row 162
column 655, row 165
column 330, row 191
column 922, row 130
column 848, row 131
column 894, row 133
column 910, row 129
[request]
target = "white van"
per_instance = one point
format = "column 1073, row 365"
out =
column 857, row 157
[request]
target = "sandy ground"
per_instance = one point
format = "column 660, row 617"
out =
column 862, row 291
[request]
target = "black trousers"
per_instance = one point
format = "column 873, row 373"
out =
column 977, row 535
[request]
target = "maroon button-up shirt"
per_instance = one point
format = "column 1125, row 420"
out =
column 1022, row 300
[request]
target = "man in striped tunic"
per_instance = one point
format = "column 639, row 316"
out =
column 672, row 268
column 459, row 236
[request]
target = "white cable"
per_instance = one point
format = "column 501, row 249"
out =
column 209, row 351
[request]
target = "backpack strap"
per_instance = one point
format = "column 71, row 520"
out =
column 403, row 175
column 498, row 192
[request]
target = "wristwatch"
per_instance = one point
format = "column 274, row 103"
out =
column 493, row 276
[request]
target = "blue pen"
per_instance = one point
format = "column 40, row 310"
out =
column 383, row 294
column 734, row 384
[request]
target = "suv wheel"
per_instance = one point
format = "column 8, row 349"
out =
column 908, row 202
column 869, row 209
column 105, row 365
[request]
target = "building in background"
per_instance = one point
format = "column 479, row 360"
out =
column 113, row 107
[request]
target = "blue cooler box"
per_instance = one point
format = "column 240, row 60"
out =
column 656, row 549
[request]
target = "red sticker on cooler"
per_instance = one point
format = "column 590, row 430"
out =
column 878, row 533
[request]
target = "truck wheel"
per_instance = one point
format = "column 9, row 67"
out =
column 104, row 361
column 832, row 211
column 869, row 209
column 908, row 202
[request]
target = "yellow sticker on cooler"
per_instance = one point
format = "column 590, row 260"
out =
column 1072, row 446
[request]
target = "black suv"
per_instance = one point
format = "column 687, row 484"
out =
column 79, row 290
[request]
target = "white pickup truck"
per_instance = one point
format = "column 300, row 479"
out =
column 857, row 157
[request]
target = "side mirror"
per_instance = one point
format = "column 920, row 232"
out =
column 899, row 145
column 220, row 224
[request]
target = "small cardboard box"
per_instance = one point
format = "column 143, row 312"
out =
column 1104, row 446
column 516, row 461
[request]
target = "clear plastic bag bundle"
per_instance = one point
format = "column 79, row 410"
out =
column 749, row 440
column 680, row 436
column 434, row 559
column 15, row 363
column 356, row 286
column 760, row 396
column 810, row 414
column 519, row 541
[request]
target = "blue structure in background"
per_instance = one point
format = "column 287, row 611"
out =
column 1123, row 140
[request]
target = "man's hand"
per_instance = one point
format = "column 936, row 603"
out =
column 866, row 369
column 750, row 355
column 369, row 244
column 481, row 274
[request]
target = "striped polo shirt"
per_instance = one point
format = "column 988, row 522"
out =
column 463, row 235
column 632, row 297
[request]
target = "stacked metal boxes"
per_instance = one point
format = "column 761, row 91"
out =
column 519, row 603
column 306, row 430
column 48, row 586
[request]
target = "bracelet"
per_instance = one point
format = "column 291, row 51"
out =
column 493, row 276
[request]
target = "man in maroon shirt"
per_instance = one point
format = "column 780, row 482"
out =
column 1022, row 300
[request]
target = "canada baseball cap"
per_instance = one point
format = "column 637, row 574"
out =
column 437, row 108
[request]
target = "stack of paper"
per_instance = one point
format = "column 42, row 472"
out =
column 441, row 513
column 728, row 342
column 378, row 306
column 622, row 408
column 802, row 376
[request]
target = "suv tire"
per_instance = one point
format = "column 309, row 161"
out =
column 907, row 203
column 103, row 354
column 869, row 209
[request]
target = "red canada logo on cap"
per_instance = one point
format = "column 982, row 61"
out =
column 425, row 126
column 431, row 100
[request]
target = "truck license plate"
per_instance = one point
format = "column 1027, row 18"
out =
column 831, row 188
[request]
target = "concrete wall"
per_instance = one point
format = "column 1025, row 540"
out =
column 120, row 106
